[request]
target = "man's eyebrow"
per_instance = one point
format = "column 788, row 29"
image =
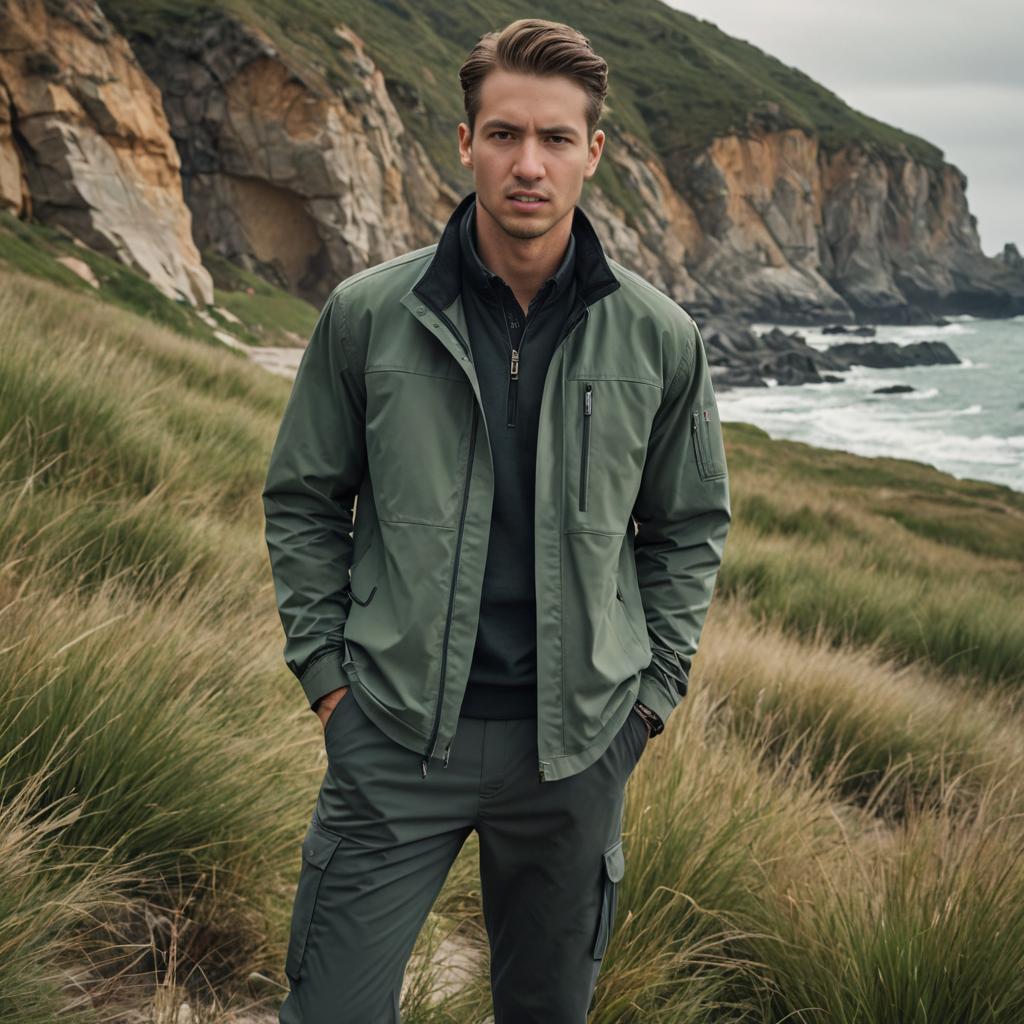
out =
column 562, row 129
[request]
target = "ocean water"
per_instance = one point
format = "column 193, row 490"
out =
column 967, row 419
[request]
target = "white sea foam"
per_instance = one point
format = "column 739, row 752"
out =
column 969, row 424
column 851, row 427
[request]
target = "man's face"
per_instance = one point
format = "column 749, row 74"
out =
column 530, row 135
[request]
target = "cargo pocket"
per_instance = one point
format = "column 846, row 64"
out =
column 317, row 849
column 613, row 869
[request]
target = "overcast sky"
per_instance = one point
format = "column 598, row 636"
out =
column 950, row 72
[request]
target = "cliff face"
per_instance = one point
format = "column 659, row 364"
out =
column 284, row 175
column 207, row 134
column 791, row 231
column 84, row 143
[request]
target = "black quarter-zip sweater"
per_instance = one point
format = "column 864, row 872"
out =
column 503, row 676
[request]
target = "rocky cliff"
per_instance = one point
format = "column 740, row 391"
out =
column 85, row 144
column 217, row 134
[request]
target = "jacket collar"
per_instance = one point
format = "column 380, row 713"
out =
column 441, row 283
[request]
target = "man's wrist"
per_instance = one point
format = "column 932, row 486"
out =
column 654, row 723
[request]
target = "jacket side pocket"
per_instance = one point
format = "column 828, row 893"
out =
column 317, row 850
column 614, row 866
column 359, row 568
column 625, row 615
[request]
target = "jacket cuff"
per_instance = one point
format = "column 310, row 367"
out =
column 325, row 675
column 654, row 695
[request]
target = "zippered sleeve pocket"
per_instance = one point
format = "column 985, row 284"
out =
column 707, row 443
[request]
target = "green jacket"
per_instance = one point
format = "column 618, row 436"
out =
column 632, row 504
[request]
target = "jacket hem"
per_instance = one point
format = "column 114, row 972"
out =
column 392, row 727
column 561, row 766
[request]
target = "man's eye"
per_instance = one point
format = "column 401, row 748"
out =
column 499, row 132
column 562, row 137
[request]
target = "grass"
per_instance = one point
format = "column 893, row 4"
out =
column 829, row 828
column 244, row 304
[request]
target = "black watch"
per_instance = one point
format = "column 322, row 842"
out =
column 654, row 723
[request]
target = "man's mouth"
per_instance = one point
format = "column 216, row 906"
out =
column 527, row 201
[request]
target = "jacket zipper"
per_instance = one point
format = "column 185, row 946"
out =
column 458, row 551
column 572, row 327
column 455, row 579
column 588, row 408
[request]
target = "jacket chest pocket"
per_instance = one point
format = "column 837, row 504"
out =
column 608, row 424
column 588, row 412
column 418, row 427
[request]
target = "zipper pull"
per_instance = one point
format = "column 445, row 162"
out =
column 588, row 401
column 447, row 752
column 515, row 364
column 707, row 416
column 423, row 767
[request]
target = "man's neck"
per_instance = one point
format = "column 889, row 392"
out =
column 524, row 264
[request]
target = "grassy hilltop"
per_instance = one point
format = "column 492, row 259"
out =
column 828, row 829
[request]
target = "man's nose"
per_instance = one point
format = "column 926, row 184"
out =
column 529, row 162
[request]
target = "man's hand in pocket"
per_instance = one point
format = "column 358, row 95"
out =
column 326, row 704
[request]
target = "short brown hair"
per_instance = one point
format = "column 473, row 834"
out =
column 536, row 47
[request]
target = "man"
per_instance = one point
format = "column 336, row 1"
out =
column 494, row 643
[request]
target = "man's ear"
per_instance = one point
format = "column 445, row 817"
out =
column 465, row 145
column 594, row 157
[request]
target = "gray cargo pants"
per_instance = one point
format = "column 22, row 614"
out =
column 383, row 838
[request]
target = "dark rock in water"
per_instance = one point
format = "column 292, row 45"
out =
column 892, row 389
column 739, row 358
column 779, row 341
column 791, row 368
column 882, row 354
column 903, row 315
column 864, row 332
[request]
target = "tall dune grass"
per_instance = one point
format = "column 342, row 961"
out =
column 828, row 829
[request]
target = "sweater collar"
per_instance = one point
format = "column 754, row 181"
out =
column 441, row 282
column 485, row 280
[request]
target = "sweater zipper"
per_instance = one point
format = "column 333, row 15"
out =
column 512, row 402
